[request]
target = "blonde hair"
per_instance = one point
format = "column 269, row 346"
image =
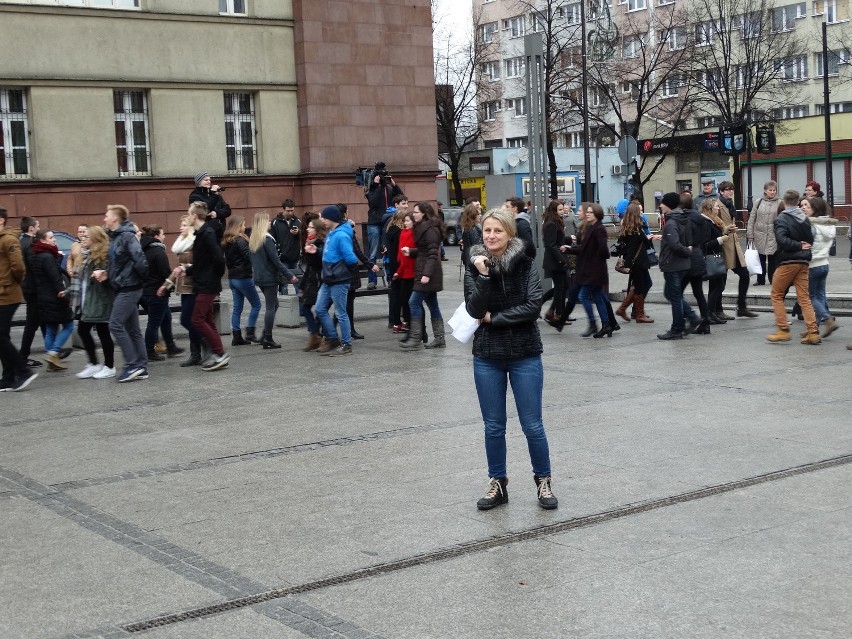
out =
column 98, row 245
column 258, row 231
column 122, row 211
column 707, row 208
column 506, row 220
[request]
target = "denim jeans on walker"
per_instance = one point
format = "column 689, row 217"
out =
column 415, row 303
column 336, row 294
column 589, row 294
column 673, row 292
column 816, row 289
column 243, row 289
column 55, row 337
column 374, row 238
column 526, row 377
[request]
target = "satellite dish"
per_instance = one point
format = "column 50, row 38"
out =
column 512, row 159
column 523, row 154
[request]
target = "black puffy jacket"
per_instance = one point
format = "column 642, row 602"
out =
column 158, row 264
column 512, row 294
column 791, row 229
column 208, row 261
column 238, row 259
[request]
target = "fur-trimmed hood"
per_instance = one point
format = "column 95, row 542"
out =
column 507, row 262
column 823, row 220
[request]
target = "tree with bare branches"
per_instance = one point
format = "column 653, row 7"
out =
column 460, row 95
column 748, row 60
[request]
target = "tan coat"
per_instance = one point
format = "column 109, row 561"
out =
column 12, row 269
column 761, row 226
column 732, row 249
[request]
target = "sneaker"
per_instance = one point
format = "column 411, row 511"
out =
column 811, row 339
column 144, row 374
column 781, row 335
column 129, row 374
column 23, row 380
column 33, row 363
column 174, row 350
column 6, row 385
column 216, row 362
column 829, row 326
column 371, row 286
column 104, row 373
column 343, row 349
column 154, row 356
column 495, row 495
column 89, row 371
column 546, row 499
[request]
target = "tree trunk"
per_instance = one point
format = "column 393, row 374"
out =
column 457, row 187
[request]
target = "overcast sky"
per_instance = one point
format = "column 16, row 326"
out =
column 453, row 16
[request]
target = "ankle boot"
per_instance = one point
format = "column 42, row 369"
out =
column 629, row 299
column 639, row 306
column 715, row 319
column 154, row 356
column 173, row 350
column 438, row 339
column 238, row 338
column 415, row 334
column 194, row 355
column 590, row 330
column 742, row 311
column 496, row 494
column 266, row 341
column 703, row 328
column 606, row 330
column 251, row 334
column 546, row 498
column 313, row 343
column 722, row 315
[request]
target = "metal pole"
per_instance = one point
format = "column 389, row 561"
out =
column 587, row 160
column 750, row 198
column 829, row 161
column 536, row 131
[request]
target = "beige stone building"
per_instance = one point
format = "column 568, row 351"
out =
column 106, row 101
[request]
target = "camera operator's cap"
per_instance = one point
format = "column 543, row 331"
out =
column 200, row 176
column 380, row 165
column 671, row 200
column 332, row 214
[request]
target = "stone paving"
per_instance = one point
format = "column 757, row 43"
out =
column 703, row 491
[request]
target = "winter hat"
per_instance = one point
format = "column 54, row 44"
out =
column 200, row 176
column 671, row 200
column 621, row 207
column 333, row 214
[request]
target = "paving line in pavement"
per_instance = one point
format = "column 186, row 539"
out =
column 185, row 563
column 475, row 546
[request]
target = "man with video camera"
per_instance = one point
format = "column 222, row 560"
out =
column 211, row 194
column 380, row 195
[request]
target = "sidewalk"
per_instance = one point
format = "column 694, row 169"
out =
column 703, row 490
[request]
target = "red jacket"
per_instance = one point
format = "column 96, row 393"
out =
column 406, row 264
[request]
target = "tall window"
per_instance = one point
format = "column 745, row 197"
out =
column 239, row 133
column 835, row 59
column 515, row 26
column 487, row 31
column 514, row 67
column 635, row 5
column 232, row 7
column 490, row 70
column 131, row 132
column 794, row 68
column 784, row 18
column 14, row 146
column 490, row 110
column 519, row 105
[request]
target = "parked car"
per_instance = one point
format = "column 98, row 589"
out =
column 452, row 215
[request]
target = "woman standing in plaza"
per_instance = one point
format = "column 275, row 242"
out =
column 238, row 261
column 592, row 274
column 825, row 230
column 760, row 230
column 428, row 276
column 267, row 267
column 54, row 310
column 555, row 262
column 635, row 242
column 96, row 305
column 503, row 291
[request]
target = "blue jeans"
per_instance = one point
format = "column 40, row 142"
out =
column 159, row 319
column 187, row 303
column 336, row 294
column 816, row 288
column 55, row 338
column 527, row 379
column 589, row 294
column 415, row 303
column 311, row 321
column 241, row 290
column 374, row 238
column 673, row 292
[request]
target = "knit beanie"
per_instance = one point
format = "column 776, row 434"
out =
column 200, row 176
column 671, row 200
column 333, row 214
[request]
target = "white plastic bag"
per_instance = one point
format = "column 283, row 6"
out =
column 752, row 260
column 463, row 325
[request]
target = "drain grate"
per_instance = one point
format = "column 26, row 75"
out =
column 486, row 544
